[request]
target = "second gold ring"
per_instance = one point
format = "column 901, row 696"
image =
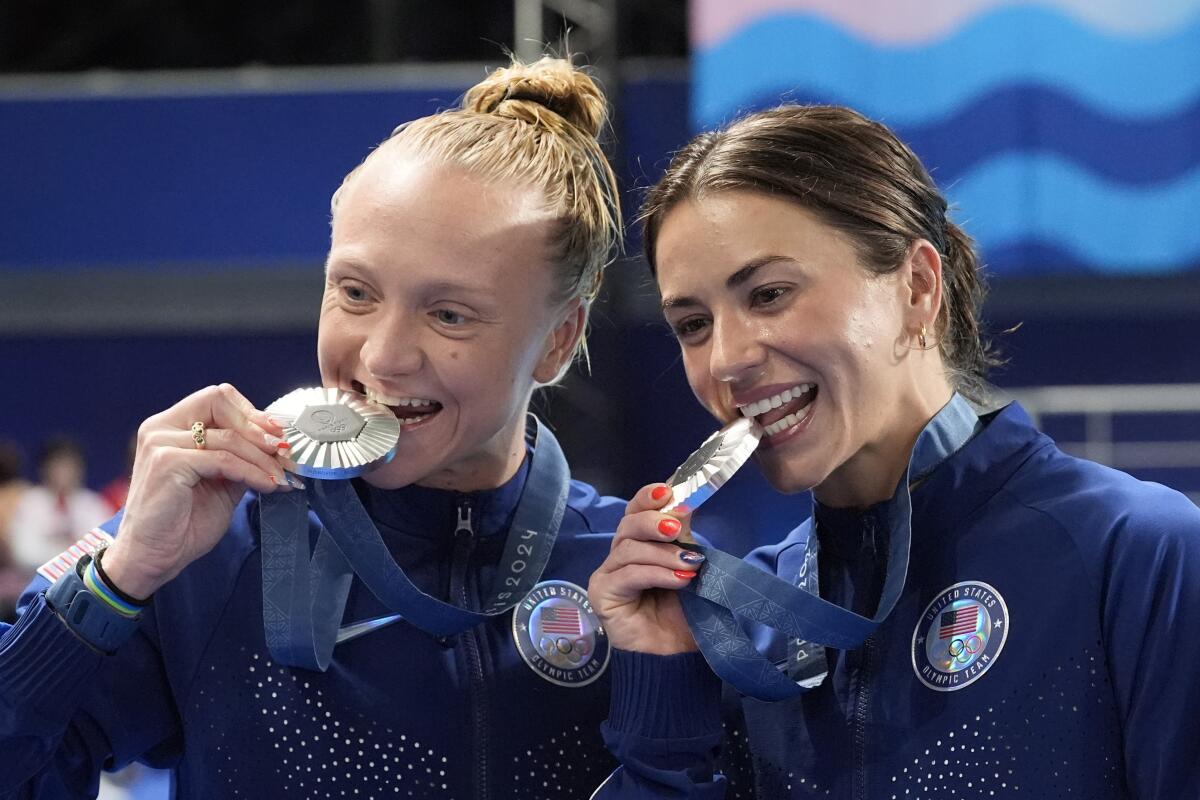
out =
column 198, row 431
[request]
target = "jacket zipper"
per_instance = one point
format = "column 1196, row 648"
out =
column 862, row 702
column 861, row 709
column 464, row 544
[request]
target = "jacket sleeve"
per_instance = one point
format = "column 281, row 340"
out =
column 1150, row 607
column 664, row 728
column 68, row 711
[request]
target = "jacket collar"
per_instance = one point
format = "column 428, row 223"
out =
column 962, row 483
column 978, row 471
column 433, row 513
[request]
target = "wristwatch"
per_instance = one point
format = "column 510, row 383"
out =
column 93, row 620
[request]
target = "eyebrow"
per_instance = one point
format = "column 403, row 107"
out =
column 354, row 265
column 438, row 287
column 347, row 263
column 740, row 276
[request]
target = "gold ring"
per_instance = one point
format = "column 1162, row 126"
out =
column 198, row 430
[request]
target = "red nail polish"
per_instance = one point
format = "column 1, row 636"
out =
column 284, row 446
column 684, row 574
column 682, row 509
column 668, row 527
column 660, row 492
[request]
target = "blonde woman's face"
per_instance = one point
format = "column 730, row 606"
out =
column 437, row 303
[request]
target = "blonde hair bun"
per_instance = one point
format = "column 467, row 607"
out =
column 526, row 91
column 537, row 125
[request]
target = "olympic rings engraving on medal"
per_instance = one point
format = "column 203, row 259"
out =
column 959, row 636
column 198, row 434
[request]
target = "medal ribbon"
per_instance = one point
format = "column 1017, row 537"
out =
column 304, row 597
column 728, row 588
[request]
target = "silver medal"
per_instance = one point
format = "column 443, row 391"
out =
column 713, row 463
column 335, row 434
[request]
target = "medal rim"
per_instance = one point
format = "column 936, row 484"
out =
column 377, row 418
column 724, row 464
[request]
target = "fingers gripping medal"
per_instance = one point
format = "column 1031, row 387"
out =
column 713, row 463
column 729, row 593
column 697, row 479
column 335, row 434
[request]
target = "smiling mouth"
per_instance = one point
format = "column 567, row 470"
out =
column 408, row 410
column 781, row 411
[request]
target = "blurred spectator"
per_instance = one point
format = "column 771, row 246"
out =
column 12, row 487
column 51, row 516
column 116, row 490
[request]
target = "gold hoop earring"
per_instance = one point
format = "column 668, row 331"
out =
column 921, row 337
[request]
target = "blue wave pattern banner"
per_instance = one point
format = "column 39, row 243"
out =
column 1066, row 133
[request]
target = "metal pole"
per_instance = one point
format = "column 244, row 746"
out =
column 528, row 35
column 384, row 33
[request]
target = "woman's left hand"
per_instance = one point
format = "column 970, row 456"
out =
column 633, row 591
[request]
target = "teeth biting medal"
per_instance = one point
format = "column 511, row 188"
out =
column 335, row 434
column 713, row 463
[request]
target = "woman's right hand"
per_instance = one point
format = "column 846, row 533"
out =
column 634, row 590
column 181, row 498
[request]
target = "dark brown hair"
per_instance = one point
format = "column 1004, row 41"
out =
column 856, row 176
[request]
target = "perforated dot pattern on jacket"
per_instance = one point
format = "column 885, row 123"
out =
column 774, row 779
column 735, row 763
column 556, row 766
column 990, row 756
column 320, row 751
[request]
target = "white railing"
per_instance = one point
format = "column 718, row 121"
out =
column 1099, row 405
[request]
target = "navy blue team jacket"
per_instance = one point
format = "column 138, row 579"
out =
column 398, row 714
column 1046, row 645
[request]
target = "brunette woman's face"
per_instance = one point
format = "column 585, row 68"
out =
column 438, row 304
column 778, row 319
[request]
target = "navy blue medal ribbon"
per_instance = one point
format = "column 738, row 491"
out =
column 727, row 588
column 304, row 595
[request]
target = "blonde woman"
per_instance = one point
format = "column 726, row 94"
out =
column 466, row 251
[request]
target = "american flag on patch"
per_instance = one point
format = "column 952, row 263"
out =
column 561, row 619
column 959, row 621
column 58, row 566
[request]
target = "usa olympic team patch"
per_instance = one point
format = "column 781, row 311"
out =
column 559, row 635
column 959, row 636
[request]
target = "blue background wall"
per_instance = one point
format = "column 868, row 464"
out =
column 207, row 182
column 1067, row 132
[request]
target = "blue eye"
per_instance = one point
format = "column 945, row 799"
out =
column 448, row 317
column 354, row 292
